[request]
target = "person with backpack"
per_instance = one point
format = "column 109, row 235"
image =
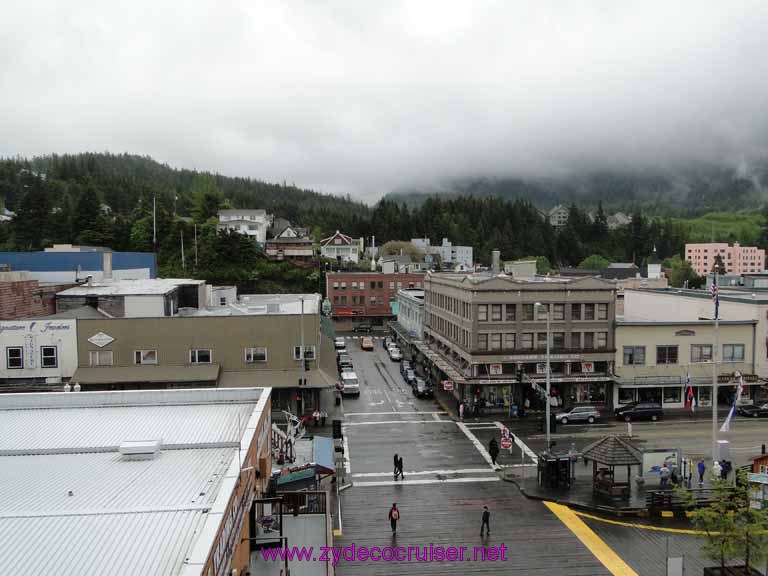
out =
column 486, row 521
column 394, row 516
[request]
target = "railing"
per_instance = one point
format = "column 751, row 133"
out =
column 659, row 500
column 310, row 502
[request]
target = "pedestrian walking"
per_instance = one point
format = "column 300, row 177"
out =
column 461, row 411
column 702, row 468
column 396, row 465
column 664, row 473
column 727, row 467
column 717, row 470
column 394, row 516
column 486, row 521
column 316, row 416
column 323, row 416
column 400, row 468
column 493, row 450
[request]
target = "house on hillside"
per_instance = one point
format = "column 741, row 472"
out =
column 341, row 247
column 618, row 220
column 252, row 223
column 291, row 243
column 558, row 216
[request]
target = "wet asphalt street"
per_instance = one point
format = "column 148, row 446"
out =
column 448, row 480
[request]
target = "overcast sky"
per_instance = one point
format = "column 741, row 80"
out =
column 362, row 97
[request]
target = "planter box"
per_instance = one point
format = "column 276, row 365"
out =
column 731, row 571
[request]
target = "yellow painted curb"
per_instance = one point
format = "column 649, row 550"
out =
column 640, row 526
column 592, row 541
column 667, row 514
column 336, row 532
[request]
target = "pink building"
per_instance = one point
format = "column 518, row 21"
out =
column 737, row 259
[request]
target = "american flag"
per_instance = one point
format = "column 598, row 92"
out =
column 715, row 297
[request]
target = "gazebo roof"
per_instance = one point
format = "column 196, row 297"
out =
column 613, row 451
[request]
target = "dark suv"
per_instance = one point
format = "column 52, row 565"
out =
column 639, row 411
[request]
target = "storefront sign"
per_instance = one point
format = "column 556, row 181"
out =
column 37, row 327
column 100, row 339
column 495, row 369
column 557, row 357
column 588, row 367
column 447, row 385
column 29, row 352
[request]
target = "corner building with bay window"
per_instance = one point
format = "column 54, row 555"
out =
column 485, row 333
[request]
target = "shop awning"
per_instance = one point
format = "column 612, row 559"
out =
column 146, row 374
column 322, row 449
column 308, row 474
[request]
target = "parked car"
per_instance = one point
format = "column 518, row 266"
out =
column 421, row 389
column 342, row 356
column 753, row 411
column 346, row 368
column 410, row 377
column 363, row 327
column 351, row 385
column 366, row 343
column 339, row 343
column 579, row 414
column 639, row 411
column 405, row 365
column 387, row 341
column 395, row 354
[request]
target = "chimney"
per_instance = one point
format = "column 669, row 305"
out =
column 495, row 262
column 106, row 258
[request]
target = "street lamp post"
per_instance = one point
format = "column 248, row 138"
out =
column 547, row 406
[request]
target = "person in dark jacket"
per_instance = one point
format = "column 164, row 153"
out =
column 396, row 464
column 486, row 521
column 702, row 468
column 493, row 450
column 400, row 468
column 394, row 516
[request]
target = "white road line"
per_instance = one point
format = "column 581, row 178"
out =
column 347, row 460
column 477, row 443
column 425, row 472
column 520, row 444
column 481, row 427
column 436, row 417
column 387, row 413
column 430, row 481
column 399, row 422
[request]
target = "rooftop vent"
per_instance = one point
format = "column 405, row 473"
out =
column 140, row 449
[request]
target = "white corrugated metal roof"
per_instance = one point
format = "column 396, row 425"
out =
column 144, row 287
column 74, row 506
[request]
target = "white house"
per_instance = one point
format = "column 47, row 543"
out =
column 40, row 351
column 450, row 255
column 341, row 247
column 253, row 223
column 558, row 216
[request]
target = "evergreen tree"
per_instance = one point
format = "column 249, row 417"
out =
column 88, row 226
column 207, row 199
column 33, row 215
column 718, row 265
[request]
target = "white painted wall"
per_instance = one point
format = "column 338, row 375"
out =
column 68, row 276
column 31, row 335
column 144, row 306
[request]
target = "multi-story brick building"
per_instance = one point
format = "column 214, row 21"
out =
column 23, row 297
column 737, row 259
column 486, row 334
column 371, row 297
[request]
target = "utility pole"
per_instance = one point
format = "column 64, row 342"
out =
column 183, row 266
column 195, row 244
column 716, row 343
column 547, row 407
column 154, row 222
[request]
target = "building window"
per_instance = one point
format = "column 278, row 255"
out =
column 589, row 311
column 666, row 354
column 672, row 395
column 701, row 353
column 354, row 285
column 145, row 357
column 527, row 312
column 373, row 285
column 49, row 356
column 223, row 301
column 200, row 356
column 496, row 341
column 496, row 312
column 482, row 341
column 391, row 285
column 509, row 341
column 482, row 313
column 558, row 312
column 343, row 285
column 558, row 339
column 399, row 285
column 335, row 284
column 602, row 311
column 511, row 311
column 373, row 300
column 733, row 352
column 575, row 311
column 100, row 357
column 626, row 395
column 634, row 355
column 380, row 285
column 528, row 340
column 14, row 356
column 541, row 340
column 309, row 353
column 575, row 340
column 602, row 340
column 589, row 340
column 255, row 355
column 542, row 312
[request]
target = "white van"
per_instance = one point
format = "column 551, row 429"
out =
column 351, row 384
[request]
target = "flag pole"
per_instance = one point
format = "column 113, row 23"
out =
column 715, row 298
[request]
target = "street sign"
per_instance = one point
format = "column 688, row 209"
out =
column 506, row 443
column 447, row 385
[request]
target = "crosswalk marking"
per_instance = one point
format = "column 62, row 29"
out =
column 399, row 422
column 425, row 472
column 427, row 481
column 416, row 412
column 477, row 443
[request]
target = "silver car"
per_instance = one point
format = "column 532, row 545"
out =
column 579, row 414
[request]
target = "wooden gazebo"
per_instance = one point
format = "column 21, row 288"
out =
column 606, row 454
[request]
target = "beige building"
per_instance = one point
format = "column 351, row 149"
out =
column 484, row 332
column 235, row 350
column 656, row 359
